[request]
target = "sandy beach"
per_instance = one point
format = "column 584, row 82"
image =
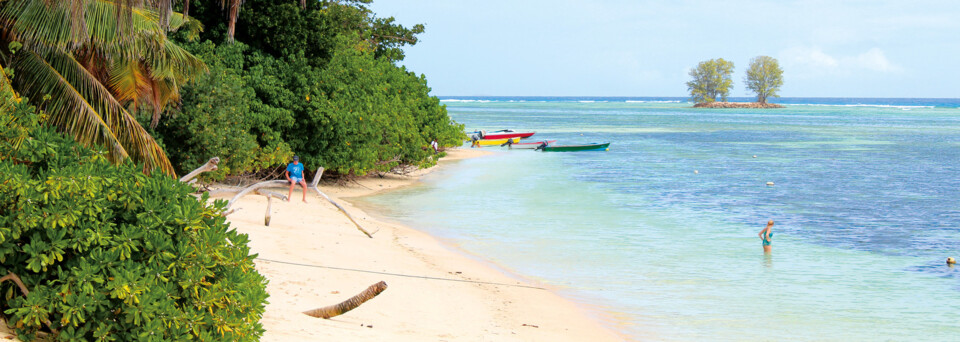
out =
column 314, row 256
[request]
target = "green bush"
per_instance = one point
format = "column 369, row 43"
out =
column 221, row 116
column 111, row 254
column 369, row 114
column 321, row 80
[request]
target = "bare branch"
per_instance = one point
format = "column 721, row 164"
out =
column 211, row 165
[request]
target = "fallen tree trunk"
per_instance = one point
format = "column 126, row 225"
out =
column 268, row 193
column 344, row 211
column 316, row 177
column 313, row 184
column 223, row 191
column 210, row 165
column 254, row 187
column 349, row 304
column 266, row 218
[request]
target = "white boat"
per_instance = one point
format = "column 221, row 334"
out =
column 530, row 145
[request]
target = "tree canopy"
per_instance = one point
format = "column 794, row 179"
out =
column 711, row 81
column 764, row 77
column 320, row 80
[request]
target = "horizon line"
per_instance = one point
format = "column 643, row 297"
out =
column 782, row 97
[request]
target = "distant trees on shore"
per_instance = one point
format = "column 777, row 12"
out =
column 764, row 77
column 712, row 79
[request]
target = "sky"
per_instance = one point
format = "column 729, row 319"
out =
column 868, row 48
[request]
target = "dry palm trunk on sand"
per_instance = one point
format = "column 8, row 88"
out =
column 349, row 304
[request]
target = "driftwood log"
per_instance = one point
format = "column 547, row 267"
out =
column 266, row 217
column 344, row 211
column 223, row 191
column 262, row 192
column 254, row 187
column 313, row 184
column 258, row 188
column 349, row 304
column 316, row 177
column 211, row 165
column 231, row 211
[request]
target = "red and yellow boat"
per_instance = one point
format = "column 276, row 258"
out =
column 502, row 134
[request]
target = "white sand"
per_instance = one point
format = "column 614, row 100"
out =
column 412, row 308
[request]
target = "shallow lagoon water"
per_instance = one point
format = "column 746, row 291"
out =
column 865, row 199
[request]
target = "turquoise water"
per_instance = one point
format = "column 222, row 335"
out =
column 661, row 231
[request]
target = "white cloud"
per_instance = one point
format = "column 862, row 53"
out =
column 873, row 59
column 812, row 57
column 813, row 60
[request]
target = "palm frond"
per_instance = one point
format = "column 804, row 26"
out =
column 84, row 108
column 160, row 92
column 173, row 62
column 36, row 22
column 69, row 109
column 69, row 24
column 7, row 95
column 127, row 80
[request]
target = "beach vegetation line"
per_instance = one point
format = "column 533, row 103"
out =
column 108, row 252
column 320, row 81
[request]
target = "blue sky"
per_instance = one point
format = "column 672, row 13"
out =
column 870, row 48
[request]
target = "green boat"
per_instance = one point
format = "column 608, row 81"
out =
column 574, row 148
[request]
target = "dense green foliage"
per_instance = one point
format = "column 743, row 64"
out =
column 764, row 77
column 222, row 116
column 711, row 81
column 109, row 252
column 96, row 59
column 112, row 254
column 320, row 82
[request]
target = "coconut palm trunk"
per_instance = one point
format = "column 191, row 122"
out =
column 349, row 304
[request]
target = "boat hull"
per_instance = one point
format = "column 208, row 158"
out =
column 496, row 142
column 508, row 135
column 530, row 145
column 503, row 134
column 575, row 148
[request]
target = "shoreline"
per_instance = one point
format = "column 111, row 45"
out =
column 755, row 105
column 436, row 291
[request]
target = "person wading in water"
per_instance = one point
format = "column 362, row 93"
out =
column 766, row 235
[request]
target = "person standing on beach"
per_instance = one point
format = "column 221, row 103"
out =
column 435, row 146
column 474, row 140
column 294, row 175
column 766, row 235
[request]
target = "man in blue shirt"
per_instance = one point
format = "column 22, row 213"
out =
column 294, row 174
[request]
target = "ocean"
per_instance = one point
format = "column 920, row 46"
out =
column 660, row 232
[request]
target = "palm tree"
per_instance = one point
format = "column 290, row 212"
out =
column 98, row 60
